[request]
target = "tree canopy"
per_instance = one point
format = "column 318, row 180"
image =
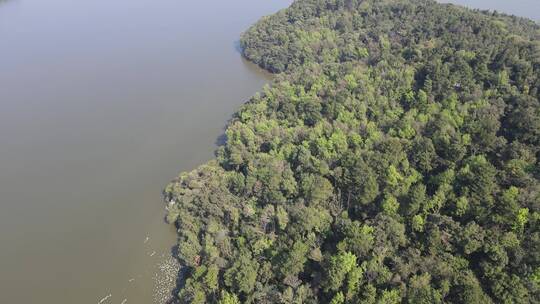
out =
column 394, row 159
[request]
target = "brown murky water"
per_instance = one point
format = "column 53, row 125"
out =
column 102, row 102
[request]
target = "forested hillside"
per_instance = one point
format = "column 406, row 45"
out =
column 395, row 159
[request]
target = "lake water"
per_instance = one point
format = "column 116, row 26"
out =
column 101, row 103
column 523, row 8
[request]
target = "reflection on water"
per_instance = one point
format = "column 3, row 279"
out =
column 101, row 104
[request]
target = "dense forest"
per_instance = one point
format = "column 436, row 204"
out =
column 394, row 159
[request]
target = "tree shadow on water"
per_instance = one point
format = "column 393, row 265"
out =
column 221, row 140
column 237, row 45
column 180, row 278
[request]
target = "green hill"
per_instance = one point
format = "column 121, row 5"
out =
column 395, row 159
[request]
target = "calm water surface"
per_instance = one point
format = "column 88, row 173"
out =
column 102, row 102
column 523, row 8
